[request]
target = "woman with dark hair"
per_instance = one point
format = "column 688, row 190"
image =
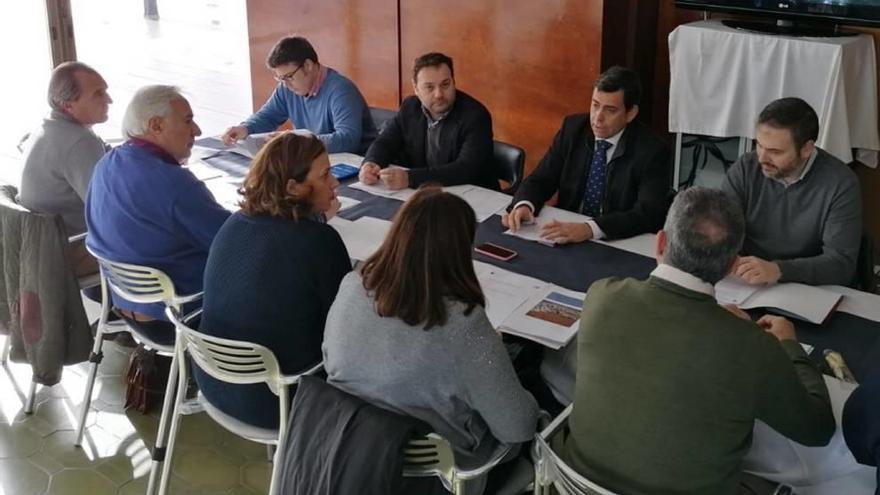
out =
column 410, row 333
column 274, row 269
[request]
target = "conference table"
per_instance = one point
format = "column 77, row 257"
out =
column 853, row 330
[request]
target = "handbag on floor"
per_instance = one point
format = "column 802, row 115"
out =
column 145, row 379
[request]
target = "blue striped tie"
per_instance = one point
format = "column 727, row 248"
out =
column 592, row 204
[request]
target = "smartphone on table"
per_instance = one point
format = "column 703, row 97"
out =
column 495, row 251
column 343, row 171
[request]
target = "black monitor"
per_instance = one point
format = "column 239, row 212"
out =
column 820, row 14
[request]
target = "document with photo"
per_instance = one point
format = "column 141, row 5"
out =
column 505, row 291
column 550, row 317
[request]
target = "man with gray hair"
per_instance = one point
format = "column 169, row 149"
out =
column 669, row 383
column 144, row 208
column 61, row 154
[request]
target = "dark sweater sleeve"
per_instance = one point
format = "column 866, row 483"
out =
column 333, row 265
column 649, row 211
column 494, row 391
column 543, row 182
column 841, row 236
column 792, row 398
column 388, row 144
column 474, row 154
column 734, row 182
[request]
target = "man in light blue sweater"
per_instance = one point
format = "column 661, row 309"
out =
column 313, row 97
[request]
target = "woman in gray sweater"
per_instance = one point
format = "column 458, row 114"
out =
column 410, row 333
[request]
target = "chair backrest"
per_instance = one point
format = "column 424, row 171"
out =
column 232, row 361
column 509, row 161
column 136, row 283
column 381, row 116
column 552, row 470
column 430, row 455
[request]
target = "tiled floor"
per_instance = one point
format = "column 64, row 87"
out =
column 37, row 455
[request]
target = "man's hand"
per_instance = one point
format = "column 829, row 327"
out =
column 736, row 312
column 566, row 232
column 369, row 173
column 755, row 271
column 234, row 134
column 781, row 328
column 394, row 178
column 520, row 215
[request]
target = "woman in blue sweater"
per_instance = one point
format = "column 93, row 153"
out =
column 274, row 269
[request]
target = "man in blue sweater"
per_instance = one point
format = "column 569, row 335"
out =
column 313, row 97
column 143, row 208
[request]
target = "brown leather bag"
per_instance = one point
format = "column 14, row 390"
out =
column 145, row 379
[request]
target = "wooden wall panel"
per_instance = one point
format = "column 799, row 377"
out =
column 629, row 37
column 356, row 37
column 530, row 63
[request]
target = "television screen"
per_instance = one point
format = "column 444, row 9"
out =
column 863, row 12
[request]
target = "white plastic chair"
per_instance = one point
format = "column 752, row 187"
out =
column 139, row 284
column 432, row 455
column 551, row 471
column 238, row 362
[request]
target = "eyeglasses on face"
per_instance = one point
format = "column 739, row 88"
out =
column 285, row 78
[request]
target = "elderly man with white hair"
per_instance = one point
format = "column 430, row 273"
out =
column 144, row 208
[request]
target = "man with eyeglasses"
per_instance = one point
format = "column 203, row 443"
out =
column 604, row 164
column 313, row 97
column 440, row 135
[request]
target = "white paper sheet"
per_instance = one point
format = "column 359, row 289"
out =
column 485, row 202
column 548, row 214
column 363, row 236
column 505, row 291
column 379, row 189
column 733, row 290
column 347, row 158
column 808, row 303
column 346, row 202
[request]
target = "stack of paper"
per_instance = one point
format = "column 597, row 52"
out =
column 528, row 307
column 532, row 232
column 363, row 236
column 380, row 189
column 801, row 301
column 505, row 291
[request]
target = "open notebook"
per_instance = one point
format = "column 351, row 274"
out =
column 800, row 301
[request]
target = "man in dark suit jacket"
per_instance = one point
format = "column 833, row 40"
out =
column 441, row 135
column 605, row 165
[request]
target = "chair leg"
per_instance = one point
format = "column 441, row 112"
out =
column 270, row 452
column 32, row 396
column 277, row 465
column 4, row 355
column 95, row 359
column 159, row 451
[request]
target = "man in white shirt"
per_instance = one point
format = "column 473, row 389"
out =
column 604, row 164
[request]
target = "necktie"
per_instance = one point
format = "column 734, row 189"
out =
column 592, row 204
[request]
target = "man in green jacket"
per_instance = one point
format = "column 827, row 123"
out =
column 669, row 383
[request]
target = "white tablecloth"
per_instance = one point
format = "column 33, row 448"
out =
column 721, row 79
